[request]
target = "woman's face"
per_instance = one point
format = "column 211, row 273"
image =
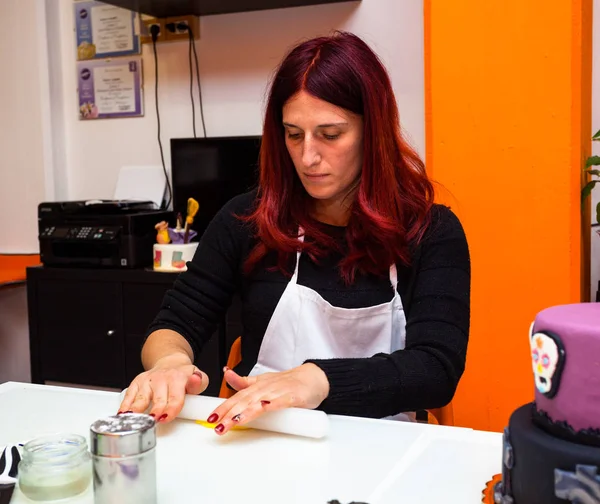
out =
column 325, row 143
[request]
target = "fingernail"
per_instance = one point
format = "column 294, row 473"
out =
column 219, row 428
column 120, row 413
column 237, row 417
column 197, row 372
column 213, row 418
column 162, row 417
column 225, row 369
column 152, row 415
column 264, row 403
column 129, row 411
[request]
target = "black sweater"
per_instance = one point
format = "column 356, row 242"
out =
column 435, row 293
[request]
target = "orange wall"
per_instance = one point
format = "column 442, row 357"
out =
column 507, row 119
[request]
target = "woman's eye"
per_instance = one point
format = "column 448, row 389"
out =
column 293, row 136
column 331, row 137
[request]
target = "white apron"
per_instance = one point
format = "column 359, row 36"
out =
column 305, row 326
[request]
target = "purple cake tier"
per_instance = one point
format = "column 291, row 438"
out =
column 565, row 348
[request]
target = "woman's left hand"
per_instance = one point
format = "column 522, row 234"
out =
column 305, row 386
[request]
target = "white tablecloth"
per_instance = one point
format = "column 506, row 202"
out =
column 363, row 460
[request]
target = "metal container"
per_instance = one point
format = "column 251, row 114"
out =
column 123, row 449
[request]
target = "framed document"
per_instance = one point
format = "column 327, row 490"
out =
column 105, row 31
column 110, row 89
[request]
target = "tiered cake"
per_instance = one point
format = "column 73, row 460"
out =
column 551, row 448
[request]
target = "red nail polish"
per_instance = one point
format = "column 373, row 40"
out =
column 264, row 403
column 213, row 418
column 220, row 428
column 152, row 415
column 236, row 418
column 225, row 369
column 129, row 411
column 120, row 413
column 163, row 417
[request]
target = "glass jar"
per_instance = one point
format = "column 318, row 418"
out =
column 55, row 467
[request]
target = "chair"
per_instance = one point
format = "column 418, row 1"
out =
column 439, row 416
column 234, row 358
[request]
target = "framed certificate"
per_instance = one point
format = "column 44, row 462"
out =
column 105, row 31
column 110, row 89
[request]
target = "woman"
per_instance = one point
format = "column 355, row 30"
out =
column 355, row 286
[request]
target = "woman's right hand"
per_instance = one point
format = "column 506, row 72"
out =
column 165, row 386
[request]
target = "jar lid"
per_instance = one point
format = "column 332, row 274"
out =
column 123, row 435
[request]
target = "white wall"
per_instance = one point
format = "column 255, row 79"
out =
column 595, row 240
column 25, row 165
column 237, row 54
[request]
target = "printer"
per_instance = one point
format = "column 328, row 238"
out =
column 103, row 233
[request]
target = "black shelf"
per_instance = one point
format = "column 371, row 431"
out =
column 171, row 8
column 87, row 326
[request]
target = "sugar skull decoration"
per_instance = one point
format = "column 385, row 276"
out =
column 547, row 359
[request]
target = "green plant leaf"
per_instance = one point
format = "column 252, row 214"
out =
column 587, row 189
column 598, row 213
column 593, row 172
column 592, row 161
column 596, row 137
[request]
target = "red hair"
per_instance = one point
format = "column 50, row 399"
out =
column 392, row 203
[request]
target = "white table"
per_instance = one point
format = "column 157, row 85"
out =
column 363, row 460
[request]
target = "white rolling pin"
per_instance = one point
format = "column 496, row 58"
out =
column 295, row 421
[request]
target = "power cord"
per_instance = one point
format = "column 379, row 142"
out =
column 172, row 27
column 155, row 31
column 193, row 45
column 192, row 91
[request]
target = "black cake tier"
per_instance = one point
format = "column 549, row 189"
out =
column 531, row 457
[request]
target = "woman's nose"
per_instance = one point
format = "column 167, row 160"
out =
column 310, row 153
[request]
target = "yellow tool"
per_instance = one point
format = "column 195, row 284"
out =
column 204, row 423
column 162, row 233
column 192, row 210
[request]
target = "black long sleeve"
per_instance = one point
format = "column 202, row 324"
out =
column 435, row 291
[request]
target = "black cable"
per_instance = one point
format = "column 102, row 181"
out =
column 183, row 26
column 155, row 30
column 173, row 29
column 192, row 91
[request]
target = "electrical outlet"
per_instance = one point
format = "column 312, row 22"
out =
column 192, row 21
column 145, row 36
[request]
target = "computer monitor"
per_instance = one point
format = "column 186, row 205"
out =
column 212, row 171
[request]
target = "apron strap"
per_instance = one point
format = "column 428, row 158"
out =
column 394, row 277
column 294, row 278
